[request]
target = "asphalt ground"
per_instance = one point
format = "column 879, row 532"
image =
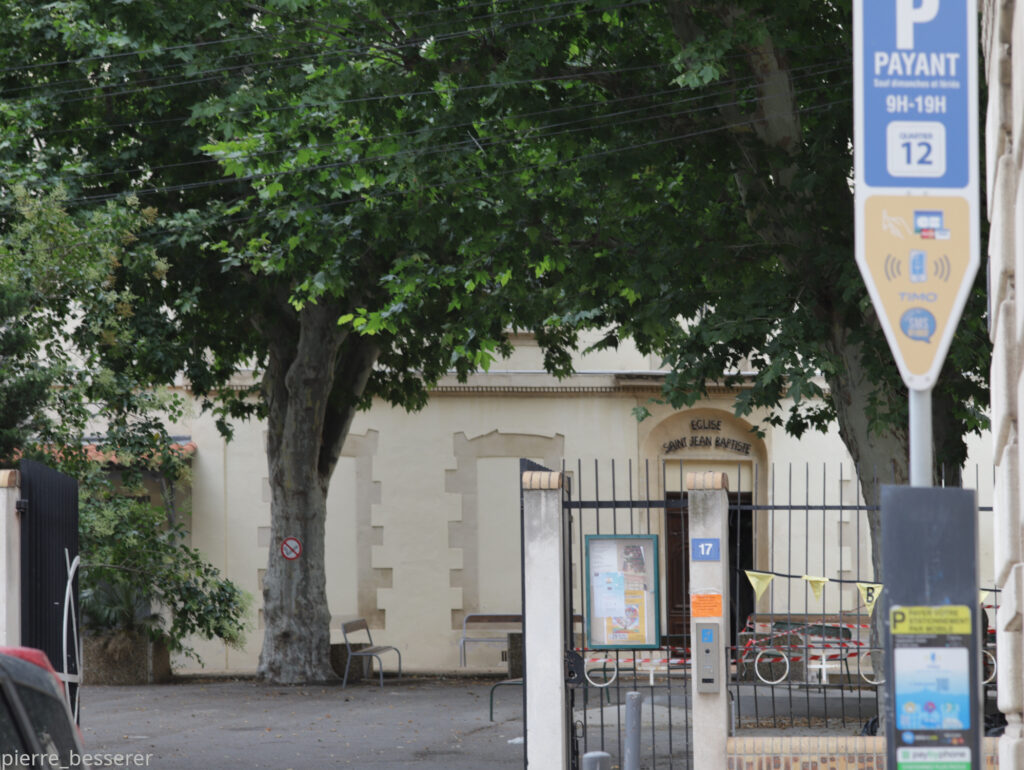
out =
column 215, row 723
column 425, row 722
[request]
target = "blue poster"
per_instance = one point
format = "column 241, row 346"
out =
column 609, row 594
column 932, row 688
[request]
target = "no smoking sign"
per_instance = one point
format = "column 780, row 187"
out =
column 291, row 548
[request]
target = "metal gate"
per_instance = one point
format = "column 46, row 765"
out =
column 597, row 701
column 597, row 681
column 797, row 658
column 49, row 570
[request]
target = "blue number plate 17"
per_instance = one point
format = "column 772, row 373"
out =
column 705, row 549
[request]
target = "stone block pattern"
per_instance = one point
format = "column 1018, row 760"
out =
column 1002, row 41
column 822, row 753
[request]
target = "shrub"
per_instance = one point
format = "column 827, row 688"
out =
column 138, row 573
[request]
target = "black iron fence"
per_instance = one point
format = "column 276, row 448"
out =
column 801, row 596
column 49, row 564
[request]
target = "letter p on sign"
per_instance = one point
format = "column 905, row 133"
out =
column 907, row 16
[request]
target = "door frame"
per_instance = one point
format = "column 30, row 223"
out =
column 677, row 565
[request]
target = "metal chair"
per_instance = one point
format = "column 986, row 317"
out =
column 370, row 651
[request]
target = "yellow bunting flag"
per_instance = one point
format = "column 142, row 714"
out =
column 982, row 594
column 817, row 583
column 870, row 592
column 759, row 580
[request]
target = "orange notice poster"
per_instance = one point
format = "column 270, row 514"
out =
column 706, row 605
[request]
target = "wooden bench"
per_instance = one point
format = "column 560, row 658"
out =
column 485, row 619
column 369, row 651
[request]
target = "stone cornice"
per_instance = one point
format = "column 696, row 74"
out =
column 586, row 383
column 539, row 383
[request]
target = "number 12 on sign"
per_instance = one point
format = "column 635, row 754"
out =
column 916, row 149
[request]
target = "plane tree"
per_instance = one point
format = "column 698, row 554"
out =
column 296, row 155
column 356, row 198
column 707, row 213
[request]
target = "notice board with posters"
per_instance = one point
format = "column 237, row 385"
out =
column 623, row 606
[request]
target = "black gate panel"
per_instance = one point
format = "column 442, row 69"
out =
column 49, row 545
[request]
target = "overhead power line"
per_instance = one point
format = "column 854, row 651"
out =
column 539, row 166
column 292, row 209
column 152, row 50
column 723, row 86
column 529, row 133
column 157, row 50
column 194, row 77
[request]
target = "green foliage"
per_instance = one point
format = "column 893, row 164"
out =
column 136, row 569
column 24, row 384
column 626, row 164
column 430, row 175
column 74, row 274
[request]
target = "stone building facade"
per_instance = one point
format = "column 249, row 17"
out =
column 1002, row 31
column 423, row 520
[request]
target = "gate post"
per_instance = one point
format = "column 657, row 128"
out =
column 708, row 503
column 10, row 559
column 547, row 740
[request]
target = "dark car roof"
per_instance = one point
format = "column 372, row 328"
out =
column 24, row 673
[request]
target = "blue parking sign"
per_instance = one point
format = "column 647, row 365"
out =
column 916, row 198
column 915, row 68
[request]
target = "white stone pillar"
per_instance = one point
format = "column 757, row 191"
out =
column 708, row 506
column 547, row 737
column 10, row 559
column 1002, row 31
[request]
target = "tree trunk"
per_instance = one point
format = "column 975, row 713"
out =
column 881, row 455
column 881, row 458
column 315, row 376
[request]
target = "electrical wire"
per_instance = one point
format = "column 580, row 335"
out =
column 292, row 210
column 445, row 148
column 90, row 79
column 275, row 64
column 121, row 54
column 471, row 124
column 157, row 50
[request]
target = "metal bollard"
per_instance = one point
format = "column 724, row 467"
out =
column 631, row 759
column 597, row 760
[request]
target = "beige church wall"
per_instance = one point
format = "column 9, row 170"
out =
column 230, row 524
column 500, row 583
column 528, row 356
column 423, row 510
column 810, row 472
column 208, row 527
column 420, row 603
column 449, row 498
column 413, row 452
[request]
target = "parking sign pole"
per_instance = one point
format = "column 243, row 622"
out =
column 920, row 438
